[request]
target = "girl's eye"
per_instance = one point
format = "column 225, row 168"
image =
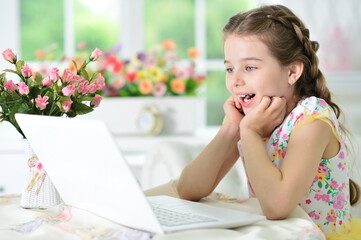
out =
column 230, row 70
column 249, row 68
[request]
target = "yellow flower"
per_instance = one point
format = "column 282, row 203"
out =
column 157, row 74
column 142, row 74
column 145, row 87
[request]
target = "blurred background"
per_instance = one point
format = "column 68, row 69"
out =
column 58, row 26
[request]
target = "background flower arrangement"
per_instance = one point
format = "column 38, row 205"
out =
column 157, row 72
column 52, row 93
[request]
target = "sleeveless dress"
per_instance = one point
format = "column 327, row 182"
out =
column 328, row 200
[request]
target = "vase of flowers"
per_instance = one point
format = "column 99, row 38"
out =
column 69, row 93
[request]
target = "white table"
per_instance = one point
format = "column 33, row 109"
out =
column 65, row 222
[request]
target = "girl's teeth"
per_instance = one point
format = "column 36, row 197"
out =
column 247, row 98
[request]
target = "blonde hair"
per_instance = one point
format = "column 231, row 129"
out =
column 288, row 40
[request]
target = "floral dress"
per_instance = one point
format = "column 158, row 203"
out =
column 327, row 201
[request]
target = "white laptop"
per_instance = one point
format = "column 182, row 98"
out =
column 89, row 171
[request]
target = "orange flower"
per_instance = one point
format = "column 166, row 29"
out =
column 72, row 66
column 178, row 86
column 145, row 87
column 169, row 44
column 40, row 54
column 193, row 53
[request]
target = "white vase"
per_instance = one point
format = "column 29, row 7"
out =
column 39, row 191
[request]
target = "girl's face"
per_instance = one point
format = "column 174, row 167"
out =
column 252, row 72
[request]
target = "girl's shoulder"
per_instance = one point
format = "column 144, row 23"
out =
column 313, row 105
column 313, row 108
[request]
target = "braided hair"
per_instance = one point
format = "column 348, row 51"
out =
column 288, row 40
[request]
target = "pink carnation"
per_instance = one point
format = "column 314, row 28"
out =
column 92, row 88
column 46, row 81
column 26, row 71
column 23, row 88
column 99, row 82
column 41, row 102
column 67, row 105
column 96, row 100
column 95, row 54
column 68, row 76
column 77, row 79
column 68, row 90
column 10, row 86
column 54, row 74
column 9, row 56
column 83, row 87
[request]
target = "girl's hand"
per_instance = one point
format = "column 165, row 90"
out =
column 233, row 110
column 266, row 116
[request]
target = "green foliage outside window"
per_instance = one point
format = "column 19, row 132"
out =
column 169, row 19
column 216, row 95
column 217, row 15
column 41, row 25
column 98, row 29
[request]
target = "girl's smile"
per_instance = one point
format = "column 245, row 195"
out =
column 246, row 98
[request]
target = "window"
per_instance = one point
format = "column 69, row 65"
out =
column 59, row 25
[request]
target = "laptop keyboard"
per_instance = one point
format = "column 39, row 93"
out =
column 172, row 217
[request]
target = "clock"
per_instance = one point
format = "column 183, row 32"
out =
column 149, row 121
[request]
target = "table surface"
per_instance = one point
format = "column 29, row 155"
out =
column 67, row 222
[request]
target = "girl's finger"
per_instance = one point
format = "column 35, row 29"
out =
column 277, row 104
column 265, row 103
column 238, row 105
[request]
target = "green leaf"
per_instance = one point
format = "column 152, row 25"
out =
column 93, row 77
column 38, row 78
column 2, row 79
column 19, row 65
column 84, row 73
column 76, row 65
column 319, row 184
column 83, row 99
column 81, row 108
column 12, row 71
column 23, row 108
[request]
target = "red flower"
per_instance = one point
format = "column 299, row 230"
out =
column 308, row 201
column 131, row 76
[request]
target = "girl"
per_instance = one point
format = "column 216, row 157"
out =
column 285, row 123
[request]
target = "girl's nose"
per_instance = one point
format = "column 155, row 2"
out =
column 238, row 80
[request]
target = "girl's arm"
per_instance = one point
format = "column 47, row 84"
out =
column 280, row 190
column 201, row 176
